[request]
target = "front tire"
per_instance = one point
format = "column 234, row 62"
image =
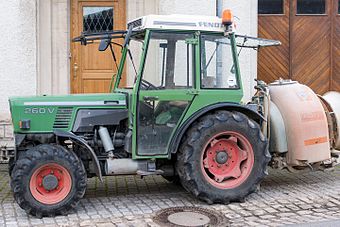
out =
column 223, row 158
column 48, row 180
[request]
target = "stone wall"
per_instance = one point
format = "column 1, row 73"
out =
column 6, row 140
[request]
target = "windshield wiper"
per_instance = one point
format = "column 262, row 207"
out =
column 126, row 43
column 114, row 56
column 133, row 63
column 210, row 59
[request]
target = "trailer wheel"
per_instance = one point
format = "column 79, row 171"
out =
column 48, row 180
column 223, row 158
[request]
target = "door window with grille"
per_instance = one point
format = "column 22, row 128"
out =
column 97, row 19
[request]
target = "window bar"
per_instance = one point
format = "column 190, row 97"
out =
column 188, row 66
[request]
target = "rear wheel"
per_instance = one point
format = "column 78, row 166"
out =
column 48, row 180
column 223, row 158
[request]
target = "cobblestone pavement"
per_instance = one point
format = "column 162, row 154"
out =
column 284, row 199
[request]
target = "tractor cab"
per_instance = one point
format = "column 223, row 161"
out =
column 171, row 66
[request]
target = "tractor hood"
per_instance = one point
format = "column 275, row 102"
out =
column 43, row 114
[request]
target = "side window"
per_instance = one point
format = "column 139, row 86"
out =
column 311, row 7
column 217, row 65
column 169, row 63
column 270, row 6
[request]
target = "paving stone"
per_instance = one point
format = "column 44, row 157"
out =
column 285, row 198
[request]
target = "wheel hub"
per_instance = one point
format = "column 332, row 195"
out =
column 221, row 157
column 227, row 159
column 50, row 182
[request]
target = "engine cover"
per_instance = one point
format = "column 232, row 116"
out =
column 305, row 122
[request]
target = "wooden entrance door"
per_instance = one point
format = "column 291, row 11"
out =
column 306, row 30
column 91, row 70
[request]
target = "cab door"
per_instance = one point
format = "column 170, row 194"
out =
column 166, row 90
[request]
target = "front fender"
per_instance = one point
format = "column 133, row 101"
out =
column 82, row 142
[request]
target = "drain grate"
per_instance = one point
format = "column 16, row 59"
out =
column 189, row 216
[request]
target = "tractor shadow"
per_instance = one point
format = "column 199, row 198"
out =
column 278, row 182
column 130, row 185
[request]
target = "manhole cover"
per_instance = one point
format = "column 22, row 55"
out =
column 189, row 216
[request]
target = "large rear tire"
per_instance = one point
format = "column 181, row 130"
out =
column 223, row 158
column 48, row 180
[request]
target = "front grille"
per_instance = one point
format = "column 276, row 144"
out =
column 63, row 118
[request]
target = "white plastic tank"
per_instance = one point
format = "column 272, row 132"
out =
column 305, row 122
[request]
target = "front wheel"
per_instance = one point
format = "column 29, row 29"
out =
column 223, row 158
column 48, row 180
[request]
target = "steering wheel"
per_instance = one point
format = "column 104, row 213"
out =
column 146, row 85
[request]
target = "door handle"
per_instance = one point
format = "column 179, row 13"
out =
column 75, row 69
column 151, row 98
column 192, row 92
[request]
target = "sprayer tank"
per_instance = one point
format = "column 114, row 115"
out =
column 305, row 122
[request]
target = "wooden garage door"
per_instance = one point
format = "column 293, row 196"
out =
column 91, row 70
column 306, row 29
column 273, row 23
column 310, row 43
column 335, row 81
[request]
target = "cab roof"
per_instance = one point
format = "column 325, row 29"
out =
column 178, row 22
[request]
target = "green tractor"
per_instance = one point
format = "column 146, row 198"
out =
column 182, row 118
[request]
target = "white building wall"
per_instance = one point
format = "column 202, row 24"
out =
column 18, row 67
column 191, row 7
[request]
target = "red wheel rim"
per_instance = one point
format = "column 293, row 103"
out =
column 227, row 160
column 50, row 193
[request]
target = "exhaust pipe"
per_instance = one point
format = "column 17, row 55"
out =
column 125, row 166
column 106, row 139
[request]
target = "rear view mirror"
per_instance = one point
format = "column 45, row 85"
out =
column 104, row 44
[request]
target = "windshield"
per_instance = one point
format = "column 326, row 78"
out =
column 132, row 63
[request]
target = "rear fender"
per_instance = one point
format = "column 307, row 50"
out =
column 178, row 135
